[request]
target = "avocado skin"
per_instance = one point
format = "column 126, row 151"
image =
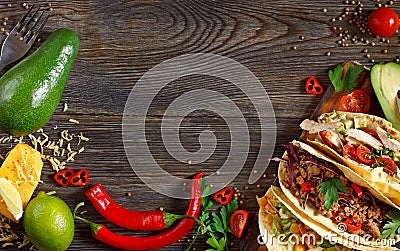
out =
column 385, row 82
column 31, row 90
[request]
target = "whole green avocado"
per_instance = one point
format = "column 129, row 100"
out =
column 31, row 90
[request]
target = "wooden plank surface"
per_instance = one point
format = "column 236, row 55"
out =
column 281, row 42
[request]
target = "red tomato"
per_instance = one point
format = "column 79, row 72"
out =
column 356, row 101
column 238, row 222
column 389, row 165
column 349, row 151
column 383, row 22
column 364, row 155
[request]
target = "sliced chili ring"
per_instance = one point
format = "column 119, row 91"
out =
column 223, row 196
column 62, row 177
column 79, row 178
column 313, row 86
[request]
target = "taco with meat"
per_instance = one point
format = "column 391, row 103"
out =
column 367, row 144
column 284, row 228
column 337, row 198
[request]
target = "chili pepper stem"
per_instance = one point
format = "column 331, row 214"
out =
column 170, row 218
column 94, row 227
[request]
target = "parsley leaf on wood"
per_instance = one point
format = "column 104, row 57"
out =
column 330, row 189
column 216, row 221
column 392, row 227
column 348, row 81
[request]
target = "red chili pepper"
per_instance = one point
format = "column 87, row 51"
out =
column 223, row 196
column 307, row 186
column 138, row 220
column 357, row 190
column 169, row 236
column 79, row 178
column 350, row 226
column 62, row 177
column 313, row 86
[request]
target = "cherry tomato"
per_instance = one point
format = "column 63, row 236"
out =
column 383, row 22
column 364, row 155
column 389, row 165
column 356, row 101
column 349, row 151
column 238, row 222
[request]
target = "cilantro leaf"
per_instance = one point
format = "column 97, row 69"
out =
column 330, row 189
column 348, row 81
column 391, row 227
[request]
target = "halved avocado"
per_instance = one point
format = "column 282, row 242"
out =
column 385, row 79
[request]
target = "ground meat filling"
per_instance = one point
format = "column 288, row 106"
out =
column 365, row 210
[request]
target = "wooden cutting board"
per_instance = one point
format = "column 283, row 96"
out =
column 329, row 102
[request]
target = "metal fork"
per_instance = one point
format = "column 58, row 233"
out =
column 21, row 37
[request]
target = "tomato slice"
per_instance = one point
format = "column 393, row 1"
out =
column 389, row 165
column 238, row 222
column 356, row 101
column 350, row 151
column 364, row 155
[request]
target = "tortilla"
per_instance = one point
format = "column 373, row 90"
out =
column 386, row 185
column 275, row 193
column 311, row 212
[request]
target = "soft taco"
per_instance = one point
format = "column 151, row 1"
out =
column 367, row 144
column 284, row 228
column 317, row 186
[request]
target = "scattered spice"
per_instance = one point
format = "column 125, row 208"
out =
column 73, row 121
column 353, row 22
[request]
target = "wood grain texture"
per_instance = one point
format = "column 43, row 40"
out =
column 122, row 40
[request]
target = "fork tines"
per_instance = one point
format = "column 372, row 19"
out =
column 26, row 31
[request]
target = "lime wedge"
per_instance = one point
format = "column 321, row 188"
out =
column 9, row 194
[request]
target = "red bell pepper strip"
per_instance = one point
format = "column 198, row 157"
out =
column 307, row 186
column 313, row 86
column 62, row 177
column 357, row 190
column 130, row 219
column 223, row 196
column 350, row 226
column 79, row 178
column 169, row 236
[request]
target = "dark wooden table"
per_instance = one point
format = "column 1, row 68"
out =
column 280, row 42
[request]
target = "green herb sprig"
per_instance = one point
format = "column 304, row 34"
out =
column 330, row 189
column 216, row 221
column 348, row 81
column 392, row 227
